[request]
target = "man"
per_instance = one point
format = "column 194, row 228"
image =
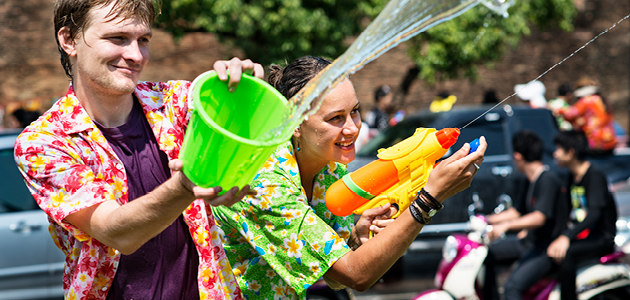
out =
column 543, row 216
column 593, row 212
column 378, row 118
column 98, row 164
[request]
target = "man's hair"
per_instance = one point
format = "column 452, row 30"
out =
column 292, row 78
column 381, row 92
column 573, row 140
column 564, row 89
column 75, row 15
column 529, row 145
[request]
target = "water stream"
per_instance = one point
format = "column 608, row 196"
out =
column 399, row 21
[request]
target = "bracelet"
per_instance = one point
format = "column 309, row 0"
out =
column 418, row 215
column 433, row 203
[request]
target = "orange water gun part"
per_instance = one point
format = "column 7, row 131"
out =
column 399, row 173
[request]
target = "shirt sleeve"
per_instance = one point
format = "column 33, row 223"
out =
column 549, row 188
column 284, row 231
column 60, row 181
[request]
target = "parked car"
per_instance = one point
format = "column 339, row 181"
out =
column 497, row 180
column 31, row 266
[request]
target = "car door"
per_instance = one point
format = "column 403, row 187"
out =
column 31, row 266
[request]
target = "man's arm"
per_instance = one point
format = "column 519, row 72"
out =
column 504, row 216
column 127, row 227
column 531, row 220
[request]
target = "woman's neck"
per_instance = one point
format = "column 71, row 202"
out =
column 309, row 168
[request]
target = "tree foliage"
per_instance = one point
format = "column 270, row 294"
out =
column 271, row 31
column 480, row 36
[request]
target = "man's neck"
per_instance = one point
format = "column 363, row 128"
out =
column 109, row 110
column 533, row 170
column 578, row 168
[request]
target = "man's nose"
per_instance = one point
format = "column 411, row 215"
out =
column 134, row 52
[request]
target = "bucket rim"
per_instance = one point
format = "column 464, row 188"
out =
column 206, row 118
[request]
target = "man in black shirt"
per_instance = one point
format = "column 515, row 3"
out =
column 593, row 215
column 541, row 219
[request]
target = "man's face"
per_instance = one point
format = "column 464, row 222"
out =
column 111, row 53
column 562, row 156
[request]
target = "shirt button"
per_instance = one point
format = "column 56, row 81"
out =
column 116, row 251
column 104, row 289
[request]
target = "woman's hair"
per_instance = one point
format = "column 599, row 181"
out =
column 573, row 140
column 292, row 78
column 75, row 15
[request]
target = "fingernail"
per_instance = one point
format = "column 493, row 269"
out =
column 232, row 89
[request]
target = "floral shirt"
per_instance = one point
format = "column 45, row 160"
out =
column 68, row 165
column 589, row 114
column 278, row 242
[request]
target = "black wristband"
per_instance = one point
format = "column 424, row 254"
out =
column 433, row 203
column 417, row 214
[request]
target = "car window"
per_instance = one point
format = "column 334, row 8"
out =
column 14, row 195
column 540, row 123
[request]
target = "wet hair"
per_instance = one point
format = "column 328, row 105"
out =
column 75, row 15
column 573, row 140
column 529, row 145
column 294, row 76
column 381, row 92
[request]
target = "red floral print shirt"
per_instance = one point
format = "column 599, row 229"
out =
column 68, row 165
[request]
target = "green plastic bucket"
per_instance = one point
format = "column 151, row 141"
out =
column 221, row 146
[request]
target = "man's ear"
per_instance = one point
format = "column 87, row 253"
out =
column 66, row 42
column 517, row 156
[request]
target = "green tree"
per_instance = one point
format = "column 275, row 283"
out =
column 271, row 31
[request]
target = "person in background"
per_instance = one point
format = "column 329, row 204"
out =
column 592, row 114
column 378, row 117
column 592, row 228
column 533, row 92
column 565, row 95
column 490, row 97
column 284, row 239
column 102, row 163
column 542, row 218
column 442, row 102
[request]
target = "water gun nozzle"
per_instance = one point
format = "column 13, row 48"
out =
column 447, row 137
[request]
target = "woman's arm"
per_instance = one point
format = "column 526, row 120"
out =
column 361, row 268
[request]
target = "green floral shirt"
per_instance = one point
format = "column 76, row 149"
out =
column 278, row 242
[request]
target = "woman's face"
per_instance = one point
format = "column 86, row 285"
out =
column 329, row 134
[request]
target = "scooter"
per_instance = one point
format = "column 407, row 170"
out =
column 460, row 272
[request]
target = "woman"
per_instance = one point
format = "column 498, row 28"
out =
column 592, row 114
column 284, row 239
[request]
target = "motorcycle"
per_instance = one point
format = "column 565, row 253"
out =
column 461, row 270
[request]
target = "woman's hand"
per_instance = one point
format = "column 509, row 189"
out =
column 455, row 173
column 374, row 220
column 209, row 195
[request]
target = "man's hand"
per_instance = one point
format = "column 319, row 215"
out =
column 237, row 67
column 210, row 195
column 498, row 231
column 558, row 248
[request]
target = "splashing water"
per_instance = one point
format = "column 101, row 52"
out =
column 399, row 21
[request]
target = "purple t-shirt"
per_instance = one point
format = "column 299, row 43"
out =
column 166, row 266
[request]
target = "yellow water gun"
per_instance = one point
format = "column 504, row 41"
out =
column 396, row 177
